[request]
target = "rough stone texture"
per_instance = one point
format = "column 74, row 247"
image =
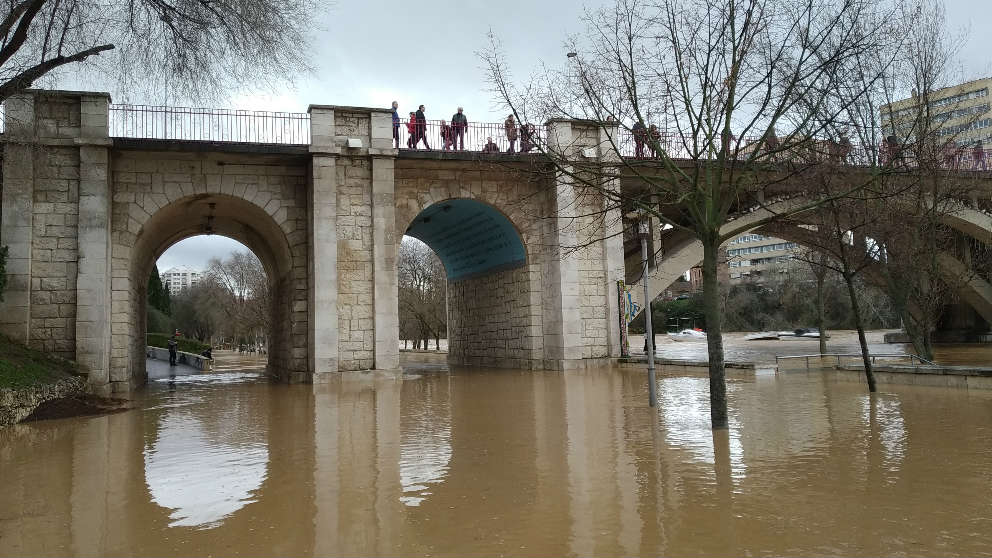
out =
column 356, row 311
column 18, row 404
column 492, row 321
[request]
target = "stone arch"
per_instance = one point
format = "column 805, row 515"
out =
column 161, row 201
column 495, row 314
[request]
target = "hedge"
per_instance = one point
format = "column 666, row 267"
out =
column 185, row 345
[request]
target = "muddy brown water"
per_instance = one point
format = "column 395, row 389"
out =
column 497, row 462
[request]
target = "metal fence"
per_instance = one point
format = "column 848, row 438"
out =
column 435, row 136
column 675, row 146
column 203, row 124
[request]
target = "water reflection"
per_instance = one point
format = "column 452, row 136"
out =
column 482, row 462
column 425, row 449
column 203, row 476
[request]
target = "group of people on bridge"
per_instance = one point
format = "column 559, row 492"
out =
column 453, row 134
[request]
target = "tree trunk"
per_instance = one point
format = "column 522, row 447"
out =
column 820, row 318
column 856, row 308
column 714, row 337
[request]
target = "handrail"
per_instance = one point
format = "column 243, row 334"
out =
column 838, row 356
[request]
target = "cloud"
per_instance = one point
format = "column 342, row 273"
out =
column 196, row 251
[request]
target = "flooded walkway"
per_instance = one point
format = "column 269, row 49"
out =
column 496, row 462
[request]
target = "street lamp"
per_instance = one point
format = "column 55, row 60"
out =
column 644, row 230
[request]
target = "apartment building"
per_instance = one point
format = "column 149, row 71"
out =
column 960, row 113
column 178, row 278
column 754, row 257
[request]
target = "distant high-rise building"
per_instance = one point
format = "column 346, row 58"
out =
column 960, row 113
column 178, row 278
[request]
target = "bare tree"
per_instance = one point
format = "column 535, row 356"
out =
column 748, row 94
column 422, row 294
column 244, row 295
column 186, row 48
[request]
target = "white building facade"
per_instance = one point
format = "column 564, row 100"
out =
column 178, row 278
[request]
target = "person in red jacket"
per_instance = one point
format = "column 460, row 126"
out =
column 411, row 130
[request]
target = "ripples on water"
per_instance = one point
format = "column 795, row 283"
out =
column 504, row 462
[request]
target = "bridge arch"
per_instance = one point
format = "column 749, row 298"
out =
column 481, row 223
column 166, row 198
column 684, row 252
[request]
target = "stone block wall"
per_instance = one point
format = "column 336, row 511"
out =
column 355, row 277
column 492, row 321
column 54, row 251
column 44, row 138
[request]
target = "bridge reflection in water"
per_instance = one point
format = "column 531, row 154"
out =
column 500, row 462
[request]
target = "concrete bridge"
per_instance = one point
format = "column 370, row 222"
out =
column 89, row 202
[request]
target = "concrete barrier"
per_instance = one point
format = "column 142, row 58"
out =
column 968, row 377
column 189, row 359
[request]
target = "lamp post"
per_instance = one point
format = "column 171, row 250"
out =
column 644, row 229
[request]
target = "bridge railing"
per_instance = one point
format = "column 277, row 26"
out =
column 475, row 136
column 949, row 156
column 205, row 124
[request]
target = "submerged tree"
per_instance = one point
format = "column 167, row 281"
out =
column 188, row 48
column 748, row 94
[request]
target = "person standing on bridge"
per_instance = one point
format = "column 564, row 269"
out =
column 411, row 130
column 173, row 345
column 458, row 125
column 421, row 128
column 511, row 132
column 396, row 124
column 640, row 133
column 446, row 136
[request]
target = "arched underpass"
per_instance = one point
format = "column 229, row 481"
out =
column 223, row 215
column 484, row 258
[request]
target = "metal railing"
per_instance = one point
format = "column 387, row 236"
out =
column 434, row 135
column 912, row 357
column 203, row 124
column 675, row 146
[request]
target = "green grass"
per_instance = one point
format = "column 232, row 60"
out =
column 185, row 345
column 21, row 367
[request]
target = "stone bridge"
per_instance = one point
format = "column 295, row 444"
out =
column 87, row 211
column 86, row 215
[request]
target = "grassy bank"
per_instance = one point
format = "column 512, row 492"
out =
column 21, row 367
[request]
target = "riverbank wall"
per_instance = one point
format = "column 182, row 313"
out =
column 16, row 404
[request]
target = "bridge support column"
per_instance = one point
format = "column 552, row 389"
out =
column 386, row 287
column 16, row 220
column 323, row 263
column 353, row 284
column 93, row 276
column 585, row 253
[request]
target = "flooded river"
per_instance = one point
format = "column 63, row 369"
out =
column 496, row 462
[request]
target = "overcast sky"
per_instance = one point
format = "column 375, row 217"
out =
column 373, row 52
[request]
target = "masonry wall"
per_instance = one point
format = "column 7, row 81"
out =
column 356, row 313
column 54, row 251
column 491, row 321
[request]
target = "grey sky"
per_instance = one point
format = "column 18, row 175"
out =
column 371, row 53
